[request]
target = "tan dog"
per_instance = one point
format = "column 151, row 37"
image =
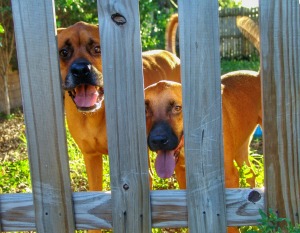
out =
column 81, row 71
column 241, row 107
column 241, row 99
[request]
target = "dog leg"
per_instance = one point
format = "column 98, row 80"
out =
column 94, row 170
column 233, row 230
column 231, row 172
column 94, row 231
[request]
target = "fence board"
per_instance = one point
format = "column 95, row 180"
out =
column 200, row 72
column 124, row 91
column 279, row 23
column 94, row 209
column 42, row 98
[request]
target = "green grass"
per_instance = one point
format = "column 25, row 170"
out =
column 233, row 65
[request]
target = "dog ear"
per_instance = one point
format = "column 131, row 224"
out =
column 59, row 30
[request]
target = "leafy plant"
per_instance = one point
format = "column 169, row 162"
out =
column 15, row 177
column 271, row 223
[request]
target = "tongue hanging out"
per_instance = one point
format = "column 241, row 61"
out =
column 86, row 96
column 165, row 163
column 166, row 160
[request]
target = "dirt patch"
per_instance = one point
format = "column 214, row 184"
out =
column 12, row 136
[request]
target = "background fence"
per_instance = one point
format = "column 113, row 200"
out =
column 233, row 45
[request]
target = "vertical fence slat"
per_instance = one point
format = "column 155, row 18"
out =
column 44, row 117
column 200, row 60
column 124, row 98
column 279, row 23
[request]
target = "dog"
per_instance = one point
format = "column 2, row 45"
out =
column 241, row 108
column 237, row 132
column 242, row 112
column 81, row 71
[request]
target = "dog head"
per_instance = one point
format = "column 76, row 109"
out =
column 81, row 65
column 164, row 122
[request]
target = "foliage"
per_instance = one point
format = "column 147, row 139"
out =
column 1, row 32
column 152, row 20
column 271, row 223
column 256, row 166
column 229, row 3
column 69, row 12
column 15, row 176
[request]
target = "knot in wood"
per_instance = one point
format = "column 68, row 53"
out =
column 118, row 19
column 125, row 186
column 254, row 196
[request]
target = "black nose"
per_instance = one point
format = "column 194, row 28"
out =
column 162, row 137
column 159, row 141
column 81, row 69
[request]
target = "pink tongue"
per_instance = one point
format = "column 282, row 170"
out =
column 86, row 96
column 165, row 163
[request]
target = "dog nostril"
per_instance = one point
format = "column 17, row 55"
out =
column 81, row 69
column 165, row 141
column 160, row 141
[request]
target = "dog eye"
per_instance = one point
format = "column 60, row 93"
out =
column 177, row 108
column 63, row 53
column 97, row 49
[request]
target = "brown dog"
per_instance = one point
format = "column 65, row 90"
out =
column 241, row 101
column 81, row 71
column 241, row 107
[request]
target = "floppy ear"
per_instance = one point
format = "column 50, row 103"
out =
column 59, row 30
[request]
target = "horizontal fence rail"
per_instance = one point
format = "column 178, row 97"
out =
column 94, row 209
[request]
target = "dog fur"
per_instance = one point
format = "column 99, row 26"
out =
column 81, row 71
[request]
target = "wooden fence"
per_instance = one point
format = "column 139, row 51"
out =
column 233, row 45
column 205, row 206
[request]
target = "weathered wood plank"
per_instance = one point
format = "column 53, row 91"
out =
column 280, row 50
column 200, row 72
column 35, row 30
column 124, row 98
column 94, row 209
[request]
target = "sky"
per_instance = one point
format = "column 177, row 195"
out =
column 249, row 3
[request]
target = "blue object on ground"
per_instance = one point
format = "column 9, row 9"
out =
column 258, row 132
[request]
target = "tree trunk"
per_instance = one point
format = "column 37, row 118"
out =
column 6, row 96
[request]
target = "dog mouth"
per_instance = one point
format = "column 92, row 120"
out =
column 165, row 161
column 87, row 98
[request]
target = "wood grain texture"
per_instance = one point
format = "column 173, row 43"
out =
column 200, row 72
column 35, row 30
column 125, row 114
column 280, row 47
column 94, row 209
